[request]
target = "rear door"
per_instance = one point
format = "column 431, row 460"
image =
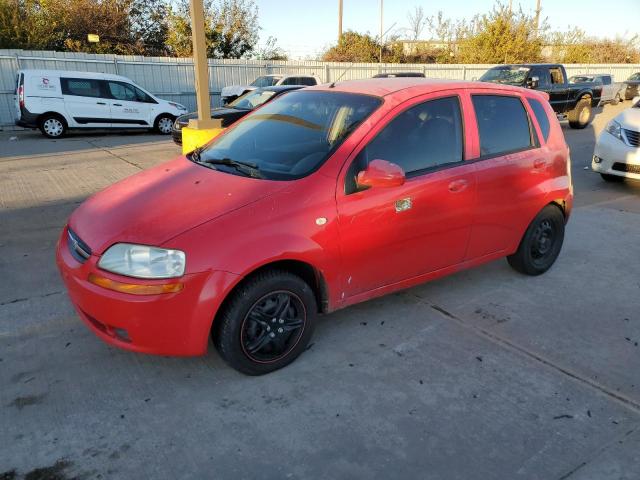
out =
column 19, row 96
column 130, row 106
column 86, row 102
column 511, row 171
column 392, row 234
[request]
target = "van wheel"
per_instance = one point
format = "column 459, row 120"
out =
column 53, row 126
column 163, row 124
column 580, row 116
column 267, row 323
column 541, row 243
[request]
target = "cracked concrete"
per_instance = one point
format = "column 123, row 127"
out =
column 485, row 374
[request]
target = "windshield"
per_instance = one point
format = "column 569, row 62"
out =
column 253, row 99
column 635, row 76
column 293, row 135
column 265, row 81
column 506, row 75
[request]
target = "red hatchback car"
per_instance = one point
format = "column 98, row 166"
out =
column 323, row 198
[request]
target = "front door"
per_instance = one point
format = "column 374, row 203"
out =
column 86, row 102
column 128, row 108
column 396, row 233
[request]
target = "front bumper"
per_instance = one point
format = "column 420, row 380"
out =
column 616, row 157
column 176, row 324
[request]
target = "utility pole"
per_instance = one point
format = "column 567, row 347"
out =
column 339, row 20
column 538, row 9
column 381, row 26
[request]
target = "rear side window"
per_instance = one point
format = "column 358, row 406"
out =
column 503, row 124
column 82, row 87
column 606, row 80
column 541, row 116
column 307, row 81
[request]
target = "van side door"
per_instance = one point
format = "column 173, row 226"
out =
column 85, row 102
column 130, row 106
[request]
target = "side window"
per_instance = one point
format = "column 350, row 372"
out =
column 556, row 75
column 308, row 81
column 503, row 124
column 81, row 87
column 541, row 115
column 122, row 91
column 606, row 80
column 544, row 78
column 143, row 97
column 425, row 136
column 290, row 81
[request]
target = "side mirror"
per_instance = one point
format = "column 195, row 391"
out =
column 533, row 82
column 381, row 173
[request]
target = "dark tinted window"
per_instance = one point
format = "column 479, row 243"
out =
column 82, row 87
column 127, row 92
column 541, row 116
column 307, row 81
column 422, row 137
column 294, row 134
column 606, row 80
column 503, row 124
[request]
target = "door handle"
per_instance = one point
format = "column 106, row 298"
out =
column 117, row 104
column 101, row 103
column 539, row 163
column 458, row 186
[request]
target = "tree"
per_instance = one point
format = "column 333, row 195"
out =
column 231, row 28
column 150, row 25
column 417, row 22
column 271, row 51
column 354, row 47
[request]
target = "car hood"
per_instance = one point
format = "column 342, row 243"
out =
column 235, row 90
column 227, row 115
column 154, row 206
column 629, row 118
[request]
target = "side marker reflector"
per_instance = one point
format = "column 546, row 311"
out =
column 135, row 289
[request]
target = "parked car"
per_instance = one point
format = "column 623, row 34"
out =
column 612, row 92
column 56, row 101
column 323, row 198
column 632, row 86
column 573, row 100
column 399, row 74
column 617, row 152
column 235, row 110
column 230, row 93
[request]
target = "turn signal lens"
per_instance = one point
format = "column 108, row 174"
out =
column 134, row 289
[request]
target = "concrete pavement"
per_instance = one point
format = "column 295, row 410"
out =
column 485, row 374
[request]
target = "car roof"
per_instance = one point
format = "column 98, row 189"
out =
column 286, row 75
column 70, row 73
column 382, row 87
column 280, row 88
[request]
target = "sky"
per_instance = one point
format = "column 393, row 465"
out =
column 306, row 28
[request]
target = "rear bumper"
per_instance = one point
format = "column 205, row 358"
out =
column 27, row 119
column 176, row 324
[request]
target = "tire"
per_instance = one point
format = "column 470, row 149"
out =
column 607, row 177
column 616, row 100
column 53, row 126
column 541, row 243
column 581, row 115
column 250, row 334
column 164, row 124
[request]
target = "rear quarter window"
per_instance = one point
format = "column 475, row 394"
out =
column 541, row 116
column 503, row 124
column 82, row 87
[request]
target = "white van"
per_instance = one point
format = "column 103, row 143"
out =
column 55, row 101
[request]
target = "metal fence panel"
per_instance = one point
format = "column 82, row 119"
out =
column 173, row 78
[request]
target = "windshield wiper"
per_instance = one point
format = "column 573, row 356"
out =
column 248, row 168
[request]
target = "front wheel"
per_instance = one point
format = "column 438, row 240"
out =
column 164, row 124
column 541, row 243
column 580, row 116
column 267, row 322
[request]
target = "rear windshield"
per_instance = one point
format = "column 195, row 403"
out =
column 265, row 81
column 635, row 76
column 506, row 75
column 253, row 99
column 294, row 134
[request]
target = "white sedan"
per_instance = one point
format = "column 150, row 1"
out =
column 617, row 152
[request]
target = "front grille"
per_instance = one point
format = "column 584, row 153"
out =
column 79, row 250
column 626, row 167
column 633, row 137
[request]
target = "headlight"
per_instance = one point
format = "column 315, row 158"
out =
column 177, row 105
column 142, row 261
column 614, row 129
column 177, row 125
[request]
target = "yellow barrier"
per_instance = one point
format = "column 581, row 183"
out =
column 193, row 138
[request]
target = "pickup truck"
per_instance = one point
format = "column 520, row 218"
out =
column 573, row 100
column 612, row 92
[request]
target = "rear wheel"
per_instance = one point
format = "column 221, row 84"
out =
column 607, row 177
column 53, row 126
column 541, row 243
column 267, row 322
column 164, row 124
column 580, row 116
